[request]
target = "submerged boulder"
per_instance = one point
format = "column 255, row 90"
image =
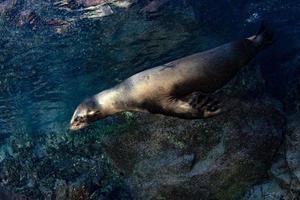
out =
column 218, row 158
column 283, row 183
column 153, row 6
column 9, row 195
column 26, row 17
column 269, row 190
column 91, row 3
column 293, row 154
column 7, row 6
column 87, row 3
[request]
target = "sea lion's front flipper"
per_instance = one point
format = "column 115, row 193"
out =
column 207, row 105
column 193, row 106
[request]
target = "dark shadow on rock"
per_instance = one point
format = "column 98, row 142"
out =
column 219, row 158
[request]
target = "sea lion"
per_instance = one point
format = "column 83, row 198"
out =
column 180, row 88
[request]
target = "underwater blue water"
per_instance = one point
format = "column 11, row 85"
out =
column 44, row 75
column 46, row 71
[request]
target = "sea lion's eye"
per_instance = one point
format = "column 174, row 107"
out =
column 90, row 112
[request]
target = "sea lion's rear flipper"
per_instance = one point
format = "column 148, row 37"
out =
column 263, row 38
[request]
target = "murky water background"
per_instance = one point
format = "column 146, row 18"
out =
column 44, row 75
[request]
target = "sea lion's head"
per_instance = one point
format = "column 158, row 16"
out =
column 87, row 112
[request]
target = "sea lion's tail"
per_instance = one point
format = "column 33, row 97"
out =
column 264, row 37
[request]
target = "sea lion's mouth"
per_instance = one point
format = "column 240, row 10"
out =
column 76, row 127
column 78, row 123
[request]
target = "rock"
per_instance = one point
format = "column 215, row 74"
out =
column 218, row 158
column 64, row 171
column 212, row 14
column 60, row 190
column 27, row 17
column 9, row 195
column 293, row 153
column 267, row 191
column 79, row 190
column 93, row 3
column 153, row 6
column 291, row 99
column 278, row 186
column 88, row 3
column 97, row 12
column 7, row 6
column 46, row 192
column 291, row 74
column 280, row 173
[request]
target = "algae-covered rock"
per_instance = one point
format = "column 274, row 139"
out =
column 60, row 189
column 278, row 186
column 218, row 158
column 59, row 167
column 267, row 191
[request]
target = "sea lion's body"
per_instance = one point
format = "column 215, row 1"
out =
column 202, row 72
column 164, row 89
column 180, row 88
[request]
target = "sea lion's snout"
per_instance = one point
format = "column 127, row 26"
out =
column 79, row 119
column 77, row 123
column 86, row 113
